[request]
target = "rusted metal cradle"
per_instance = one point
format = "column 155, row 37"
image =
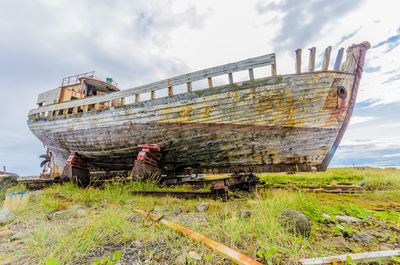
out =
column 291, row 122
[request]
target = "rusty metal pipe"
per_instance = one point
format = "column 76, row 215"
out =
column 228, row 252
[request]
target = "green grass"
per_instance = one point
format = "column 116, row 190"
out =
column 373, row 177
column 109, row 219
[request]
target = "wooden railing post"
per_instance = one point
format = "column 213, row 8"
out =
column 137, row 98
column 122, row 101
column 210, row 84
column 230, row 77
column 273, row 68
column 325, row 63
column 251, row 74
column 189, row 87
column 311, row 62
column 153, row 94
column 339, row 58
column 298, row 61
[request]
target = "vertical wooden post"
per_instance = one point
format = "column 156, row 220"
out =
column 65, row 111
column 298, row 61
column 251, row 74
column 230, row 77
column 85, row 108
column 338, row 61
column 153, row 94
column 210, row 84
column 137, row 98
column 189, row 87
column 75, row 110
column 49, row 113
column 273, row 67
column 311, row 62
column 170, row 89
column 109, row 103
column 122, row 101
column 325, row 63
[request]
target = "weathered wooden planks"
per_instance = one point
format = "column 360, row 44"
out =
column 255, row 62
column 269, row 125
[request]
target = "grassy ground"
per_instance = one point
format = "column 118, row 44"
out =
column 79, row 226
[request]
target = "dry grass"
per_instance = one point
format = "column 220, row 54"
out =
column 109, row 220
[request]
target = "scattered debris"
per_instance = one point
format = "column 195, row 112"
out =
column 297, row 221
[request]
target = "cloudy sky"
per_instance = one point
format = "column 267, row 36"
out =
column 136, row 42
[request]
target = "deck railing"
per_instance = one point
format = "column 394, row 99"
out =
column 75, row 79
column 106, row 101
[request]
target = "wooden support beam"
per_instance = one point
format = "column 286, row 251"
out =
column 338, row 61
column 210, row 84
column 109, row 103
column 230, row 77
column 273, row 68
column 65, row 112
column 189, row 87
column 153, row 94
column 325, row 63
column 251, row 74
column 298, row 61
column 170, row 91
column 75, row 110
column 122, row 101
column 85, row 108
column 137, row 98
column 311, row 62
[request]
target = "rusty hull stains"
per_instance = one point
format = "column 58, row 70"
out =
column 281, row 123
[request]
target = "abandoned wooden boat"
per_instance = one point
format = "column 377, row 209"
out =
column 290, row 122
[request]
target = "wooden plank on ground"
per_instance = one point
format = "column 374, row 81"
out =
column 377, row 256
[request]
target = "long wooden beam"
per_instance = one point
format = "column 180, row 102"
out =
column 228, row 252
column 370, row 257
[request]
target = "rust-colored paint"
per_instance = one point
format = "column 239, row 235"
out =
column 228, row 252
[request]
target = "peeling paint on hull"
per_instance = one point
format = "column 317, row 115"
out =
column 280, row 123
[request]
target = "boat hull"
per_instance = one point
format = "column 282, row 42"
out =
column 280, row 123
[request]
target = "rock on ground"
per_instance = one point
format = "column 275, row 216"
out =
column 6, row 216
column 202, row 206
column 348, row 219
column 245, row 213
column 296, row 221
column 362, row 237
